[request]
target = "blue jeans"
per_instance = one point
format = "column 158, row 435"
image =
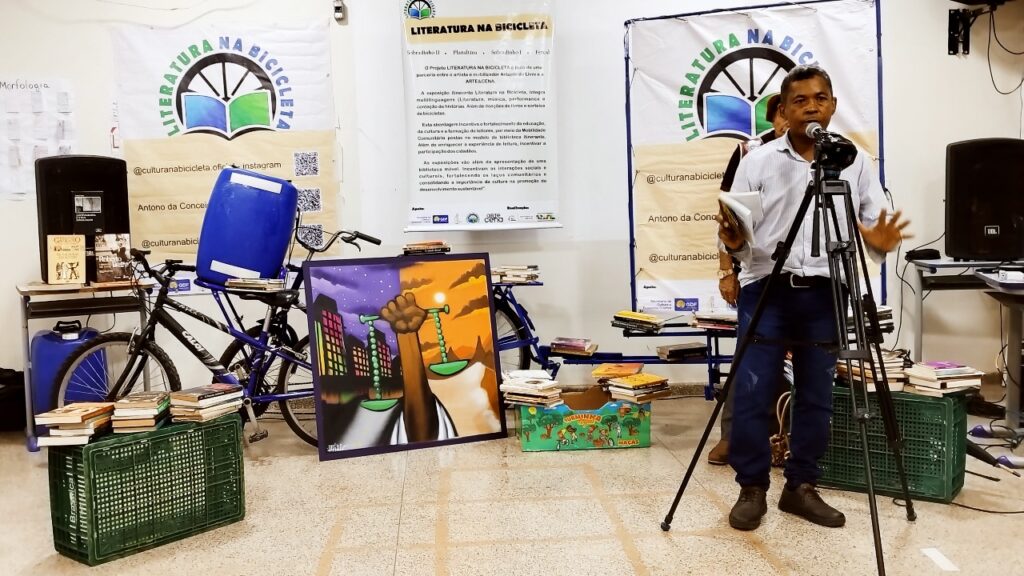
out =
column 802, row 315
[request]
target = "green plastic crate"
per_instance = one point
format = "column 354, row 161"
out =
column 934, row 446
column 127, row 493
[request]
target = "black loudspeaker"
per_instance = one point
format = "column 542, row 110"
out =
column 81, row 195
column 985, row 199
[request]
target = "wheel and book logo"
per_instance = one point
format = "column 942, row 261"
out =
column 726, row 87
column 234, row 89
column 419, row 9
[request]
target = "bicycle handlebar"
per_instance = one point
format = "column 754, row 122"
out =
column 347, row 236
column 170, row 266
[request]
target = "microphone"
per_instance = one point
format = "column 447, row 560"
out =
column 814, row 130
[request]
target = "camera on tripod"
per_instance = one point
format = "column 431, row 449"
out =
column 834, row 153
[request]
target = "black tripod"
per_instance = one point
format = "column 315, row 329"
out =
column 846, row 260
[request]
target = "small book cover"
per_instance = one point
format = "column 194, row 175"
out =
column 62, row 441
column 142, row 399
column 113, row 262
column 65, row 259
column 641, row 380
column 74, row 413
column 578, row 343
column 200, row 394
column 617, row 370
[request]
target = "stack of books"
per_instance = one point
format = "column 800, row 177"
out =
column 75, row 424
column 941, row 378
column 637, row 321
column 204, row 403
column 525, row 274
column 573, row 346
column 685, row 351
column 140, row 412
column 530, row 388
column 426, row 247
column 893, row 362
column 638, row 388
column 885, row 321
column 265, row 284
column 605, row 372
column 716, row 320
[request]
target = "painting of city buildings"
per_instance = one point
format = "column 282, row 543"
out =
column 403, row 353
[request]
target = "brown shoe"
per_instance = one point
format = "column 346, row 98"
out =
column 749, row 508
column 807, row 503
column 719, row 455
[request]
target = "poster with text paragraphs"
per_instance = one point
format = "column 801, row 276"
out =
column 195, row 99
column 403, row 353
column 698, row 87
column 480, row 110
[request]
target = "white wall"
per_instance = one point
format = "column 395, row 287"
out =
column 931, row 99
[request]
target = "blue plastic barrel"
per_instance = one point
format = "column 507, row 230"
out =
column 247, row 228
column 48, row 351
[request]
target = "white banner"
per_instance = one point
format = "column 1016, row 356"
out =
column 222, row 79
column 480, row 109
column 699, row 84
column 196, row 99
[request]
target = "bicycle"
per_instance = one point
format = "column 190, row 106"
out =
column 517, row 345
column 110, row 366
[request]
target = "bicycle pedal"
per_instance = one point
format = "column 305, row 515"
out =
column 257, row 436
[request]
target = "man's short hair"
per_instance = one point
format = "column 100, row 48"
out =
column 773, row 107
column 804, row 73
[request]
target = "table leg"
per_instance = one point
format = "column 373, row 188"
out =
column 30, row 420
column 918, row 315
column 1013, row 368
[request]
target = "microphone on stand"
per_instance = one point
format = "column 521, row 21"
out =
column 814, row 130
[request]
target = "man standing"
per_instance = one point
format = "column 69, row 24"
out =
column 728, row 284
column 798, row 309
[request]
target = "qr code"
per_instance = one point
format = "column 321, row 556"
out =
column 307, row 163
column 312, row 234
column 309, row 200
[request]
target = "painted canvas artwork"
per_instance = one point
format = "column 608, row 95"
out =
column 403, row 353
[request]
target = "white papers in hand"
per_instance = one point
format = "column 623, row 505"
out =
column 742, row 209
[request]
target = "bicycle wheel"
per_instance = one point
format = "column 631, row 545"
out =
column 299, row 413
column 88, row 374
column 236, row 359
column 509, row 327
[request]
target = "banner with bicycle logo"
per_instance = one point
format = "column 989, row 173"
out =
column 480, row 106
column 698, row 87
column 195, row 99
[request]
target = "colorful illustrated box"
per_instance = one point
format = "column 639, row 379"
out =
column 588, row 420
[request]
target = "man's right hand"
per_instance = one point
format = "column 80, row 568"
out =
column 729, row 287
column 728, row 234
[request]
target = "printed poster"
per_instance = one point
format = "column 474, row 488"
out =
column 480, row 107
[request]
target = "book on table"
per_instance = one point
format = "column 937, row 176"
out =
column 62, row 440
column 208, row 395
column 74, row 413
column 530, row 383
column 86, row 428
column 641, row 398
column 615, row 370
column 637, row 381
column 531, row 374
column 142, row 399
column 938, row 392
column 160, row 422
column 588, row 351
column 183, row 414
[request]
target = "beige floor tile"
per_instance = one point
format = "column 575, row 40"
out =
column 489, row 508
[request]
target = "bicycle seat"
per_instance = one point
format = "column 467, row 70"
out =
column 278, row 298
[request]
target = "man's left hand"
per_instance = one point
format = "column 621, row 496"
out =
column 887, row 232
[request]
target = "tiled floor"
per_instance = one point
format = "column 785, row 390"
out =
column 487, row 508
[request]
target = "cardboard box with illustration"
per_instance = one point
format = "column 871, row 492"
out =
column 588, row 420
